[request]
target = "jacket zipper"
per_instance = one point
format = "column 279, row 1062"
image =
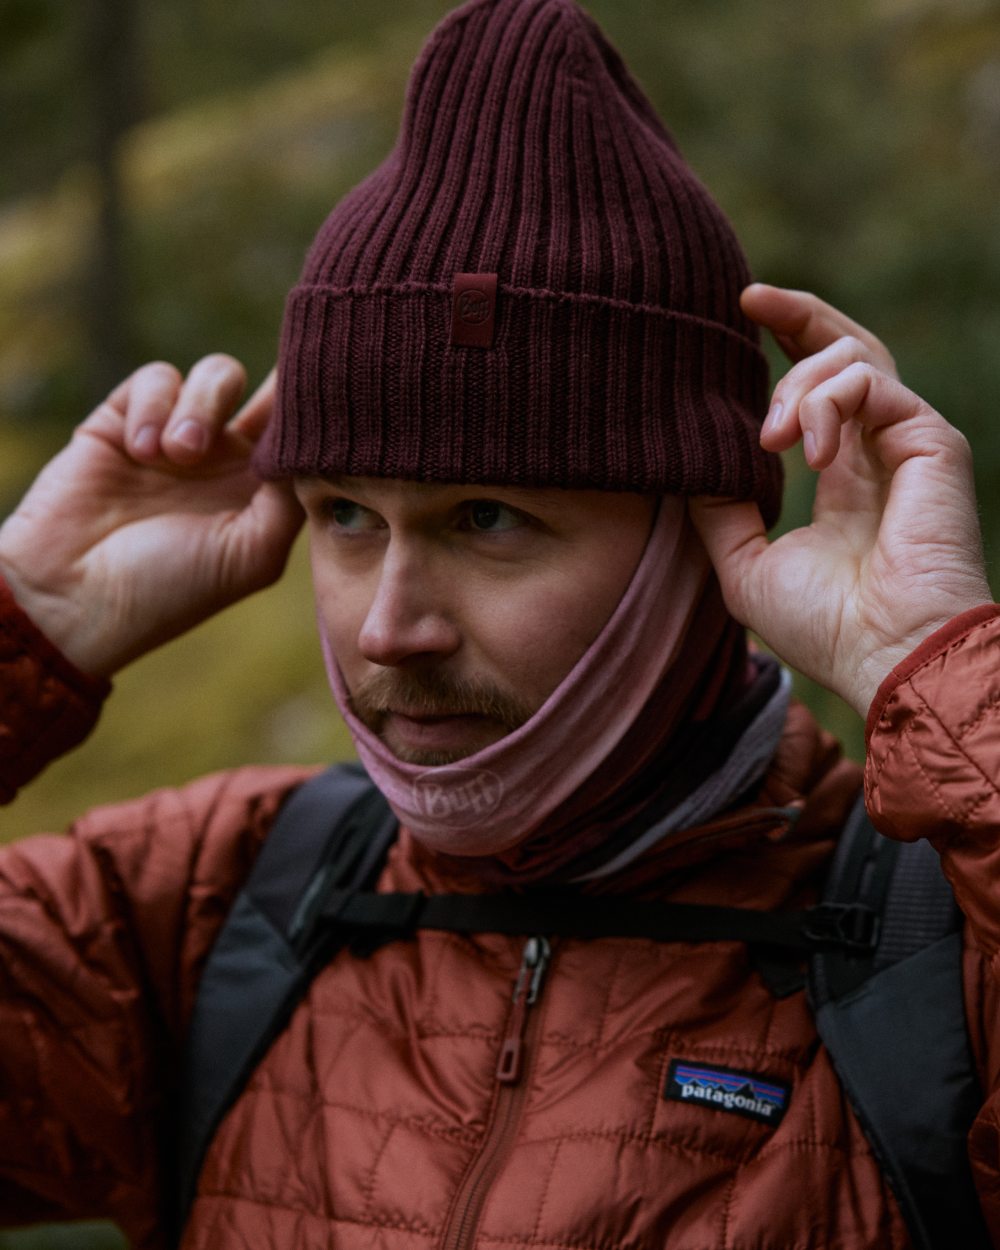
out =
column 508, row 1098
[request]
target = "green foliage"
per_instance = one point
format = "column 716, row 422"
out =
column 41, row 127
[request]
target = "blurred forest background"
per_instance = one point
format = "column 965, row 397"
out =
column 166, row 163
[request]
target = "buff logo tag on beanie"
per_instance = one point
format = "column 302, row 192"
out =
column 474, row 310
column 726, row 1089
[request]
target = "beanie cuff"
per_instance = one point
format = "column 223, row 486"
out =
column 577, row 391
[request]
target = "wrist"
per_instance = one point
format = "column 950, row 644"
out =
column 934, row 643
column 49, row 704
column 48, row 614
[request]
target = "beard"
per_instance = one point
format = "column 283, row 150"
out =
column 414, row 693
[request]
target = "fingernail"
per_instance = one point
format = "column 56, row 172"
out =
column 809, row 445
column 191, row 435
column 773, row 418
column 147, row 441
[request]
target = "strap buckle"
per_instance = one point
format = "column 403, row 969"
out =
column 850, row 926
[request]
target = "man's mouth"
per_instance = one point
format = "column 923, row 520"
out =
column 435, row 720
column 430, row 718
column 440, row 731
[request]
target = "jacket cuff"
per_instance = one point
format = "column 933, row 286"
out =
column 47, row 706
column 932, row 646
column 934, row 738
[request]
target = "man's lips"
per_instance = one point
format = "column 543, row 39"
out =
column 438, row 731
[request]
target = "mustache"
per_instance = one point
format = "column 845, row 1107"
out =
column 434, row 694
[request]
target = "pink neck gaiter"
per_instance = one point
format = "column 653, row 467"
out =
column 494, row 800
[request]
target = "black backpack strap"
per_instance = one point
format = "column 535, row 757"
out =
column 893, row 1022
column 334, row 830
column 388, row 917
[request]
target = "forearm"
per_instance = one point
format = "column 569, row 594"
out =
column 47, row 706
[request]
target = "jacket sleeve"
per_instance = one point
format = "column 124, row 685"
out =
column 103, row 933
column 47, row 705
column 933, row 770
column 933, row 765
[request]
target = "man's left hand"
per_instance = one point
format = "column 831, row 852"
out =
column 894, row 548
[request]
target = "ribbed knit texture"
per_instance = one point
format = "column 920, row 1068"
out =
column 620, row 358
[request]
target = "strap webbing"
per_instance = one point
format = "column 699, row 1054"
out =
column 329, row 828
column 575, row 916
column 893, row 1022
column 860, row 872
column 336, row 827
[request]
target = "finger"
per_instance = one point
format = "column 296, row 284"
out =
column 781, row 428
column 146, row 399
column 118, row 399
column 803, row 324
column 107, row 420
column 208, row 398
column 253, row 417
column 883, row 406
column 734, row 536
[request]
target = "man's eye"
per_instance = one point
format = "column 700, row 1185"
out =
column 490, row 517
column 347, row 516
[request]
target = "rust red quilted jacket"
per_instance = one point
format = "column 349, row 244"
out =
column 377, row 1119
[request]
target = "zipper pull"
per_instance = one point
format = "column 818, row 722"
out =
column 534, row 963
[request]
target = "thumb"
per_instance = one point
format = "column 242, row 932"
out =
column 260, row 538
column 252, row 418
column 735, row 537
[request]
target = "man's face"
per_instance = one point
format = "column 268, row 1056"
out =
column 455, row 611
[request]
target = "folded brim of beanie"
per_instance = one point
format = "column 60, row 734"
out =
column 576, row 392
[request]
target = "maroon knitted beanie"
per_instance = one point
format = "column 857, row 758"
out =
column 533, row 289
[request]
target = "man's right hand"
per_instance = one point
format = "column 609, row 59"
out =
column 151, row 519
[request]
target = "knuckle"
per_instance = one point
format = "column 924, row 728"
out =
column 817, row 403
column 105, row 411
column 957, row 447
column 218, row 370
column 871, row 351
column 104, row 416
column 218, row 362
column 861, row 371
column 796, row 377
column 807, row 407
column 215, row 384
column 160, row 371
column 154, row 393
column 852, row 347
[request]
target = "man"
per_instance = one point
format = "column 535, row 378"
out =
column 518, row 403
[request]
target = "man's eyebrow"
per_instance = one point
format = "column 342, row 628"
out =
column 344, row 481
column 322, row 482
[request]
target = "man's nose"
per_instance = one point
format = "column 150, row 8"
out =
column 409, row 615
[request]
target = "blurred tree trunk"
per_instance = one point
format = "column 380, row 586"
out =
column 111, row 47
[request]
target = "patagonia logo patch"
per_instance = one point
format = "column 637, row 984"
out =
column 726, row 1089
